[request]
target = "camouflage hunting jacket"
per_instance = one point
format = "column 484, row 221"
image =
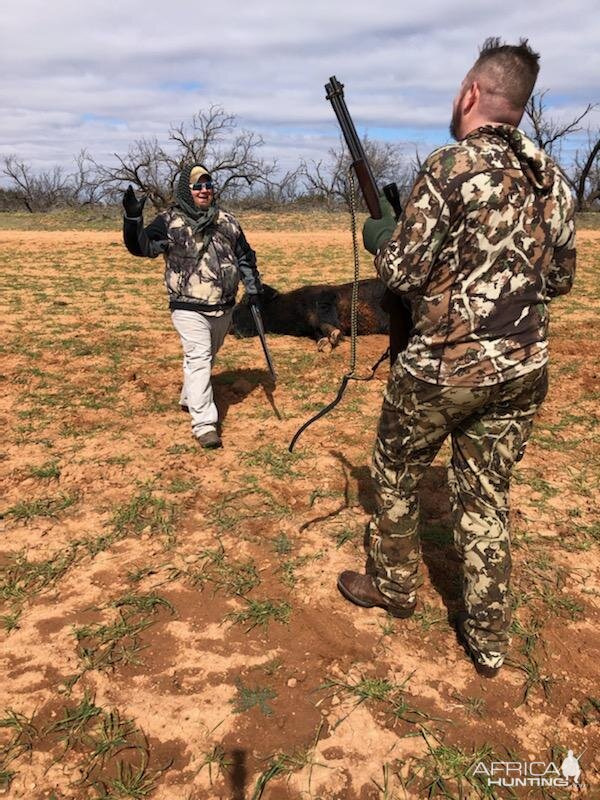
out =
column 202, row 271
column 486, row 240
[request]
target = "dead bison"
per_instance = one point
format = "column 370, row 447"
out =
column 321, row 312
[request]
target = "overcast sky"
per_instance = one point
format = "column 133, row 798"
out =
column 99, row 74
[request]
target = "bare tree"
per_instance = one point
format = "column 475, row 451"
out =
column 37, row 191
column 286, row 189
column 231, row 157
column 42, row 191
column 329, row 180
column 85, row 184
column 547, row 132
column 147, row 166
column 271, row 193
column 586, row 174
column 10, row 200
column 210, row 138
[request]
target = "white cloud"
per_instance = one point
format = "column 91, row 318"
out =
column 99, row 75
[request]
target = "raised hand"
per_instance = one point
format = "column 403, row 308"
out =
column 133, row 207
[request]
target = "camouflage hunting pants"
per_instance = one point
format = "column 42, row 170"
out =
column 488, row 425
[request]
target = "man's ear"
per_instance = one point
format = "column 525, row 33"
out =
column 471, row 97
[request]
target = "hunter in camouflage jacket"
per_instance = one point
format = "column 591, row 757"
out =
column 479, row 252
column 202, row 270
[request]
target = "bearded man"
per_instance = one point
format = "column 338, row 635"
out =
column 486, row 241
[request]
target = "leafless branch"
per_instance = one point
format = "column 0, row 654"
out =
column 586, row 174
column 329, row 180
column 548, row 132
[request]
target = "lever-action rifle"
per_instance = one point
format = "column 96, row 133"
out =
column 260, row 329
column 392, row 303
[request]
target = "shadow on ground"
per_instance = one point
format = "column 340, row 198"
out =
column 238, row 774
column 234, row 386
column 439, row 554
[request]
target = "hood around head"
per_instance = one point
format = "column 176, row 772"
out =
column 189, row 174
column 539, row 169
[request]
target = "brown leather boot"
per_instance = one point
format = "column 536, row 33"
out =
column 482, row 669
column 362, row 591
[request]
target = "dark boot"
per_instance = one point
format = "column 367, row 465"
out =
column 362, row 591
column 210, row 439
column 482, row 669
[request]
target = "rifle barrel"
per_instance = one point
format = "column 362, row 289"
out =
column 362, row 168
column 335, row 94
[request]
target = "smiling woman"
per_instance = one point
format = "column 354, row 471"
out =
column 205, row 253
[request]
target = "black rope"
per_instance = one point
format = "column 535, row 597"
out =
column 321, row 413
column 345, row 380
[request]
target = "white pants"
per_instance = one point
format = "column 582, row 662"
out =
column 201, row 338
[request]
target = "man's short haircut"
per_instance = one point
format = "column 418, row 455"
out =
column 506, row 72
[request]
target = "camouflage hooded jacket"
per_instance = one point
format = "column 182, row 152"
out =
column 486, row 240
column 205, row 269
column 202, row 270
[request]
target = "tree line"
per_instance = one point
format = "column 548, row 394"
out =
column 245, row 179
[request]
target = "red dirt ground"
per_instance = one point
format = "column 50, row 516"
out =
column 106, row 496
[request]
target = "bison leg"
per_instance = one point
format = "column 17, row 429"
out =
column 336, row 336
column 327, row 320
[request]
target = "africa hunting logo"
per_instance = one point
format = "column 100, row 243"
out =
column 514, row 774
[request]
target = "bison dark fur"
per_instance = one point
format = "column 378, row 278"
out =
column 321, row 311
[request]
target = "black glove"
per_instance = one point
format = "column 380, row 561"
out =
column 133, row 207
column 255, row 300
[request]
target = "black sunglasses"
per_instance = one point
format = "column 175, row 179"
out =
column 199, row 185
